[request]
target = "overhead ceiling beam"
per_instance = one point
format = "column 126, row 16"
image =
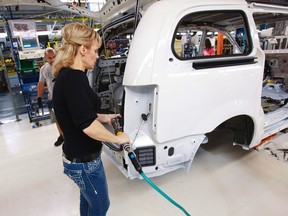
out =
column 56, row 4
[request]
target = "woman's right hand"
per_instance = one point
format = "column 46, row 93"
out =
column 123, row 138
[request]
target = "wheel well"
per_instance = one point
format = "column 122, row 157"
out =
column 243, row 128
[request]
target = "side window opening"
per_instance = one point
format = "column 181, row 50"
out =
column 110, row 67
column 272, row 30
column 117, row 47
column 117, row 40
column 211, row 34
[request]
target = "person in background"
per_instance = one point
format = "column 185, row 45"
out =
column 208, row 49
column 77, row 108
column 45, row 76
column 121, row 49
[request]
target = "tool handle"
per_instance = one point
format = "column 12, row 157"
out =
column 117, row 127
column 135, row 162
column 118, row 133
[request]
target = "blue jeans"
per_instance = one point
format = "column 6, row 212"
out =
column 91, row 179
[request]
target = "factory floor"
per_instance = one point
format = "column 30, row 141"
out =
column 224, row 180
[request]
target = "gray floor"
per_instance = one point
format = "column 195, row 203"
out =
column 7, row 111
column 223, row 180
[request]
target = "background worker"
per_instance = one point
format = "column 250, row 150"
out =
column 46, row 77
column 208, row 49
column 77, row 108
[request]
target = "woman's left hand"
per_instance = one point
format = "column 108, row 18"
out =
column 107, row 118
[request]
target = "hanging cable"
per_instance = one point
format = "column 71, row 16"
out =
column 106, row 58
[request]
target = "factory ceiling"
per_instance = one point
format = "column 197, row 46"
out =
column 17, row 10
column 10, row 9
column 45, row 14
column 35, row 12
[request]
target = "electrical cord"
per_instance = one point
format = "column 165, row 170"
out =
column 113, row 146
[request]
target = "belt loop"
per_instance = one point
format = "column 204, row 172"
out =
column 66, row 160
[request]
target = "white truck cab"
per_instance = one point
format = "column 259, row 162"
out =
column 171, row 94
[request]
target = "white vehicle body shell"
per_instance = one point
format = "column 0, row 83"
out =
column 183, row 103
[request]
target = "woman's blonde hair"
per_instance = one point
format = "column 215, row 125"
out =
column 73, row 36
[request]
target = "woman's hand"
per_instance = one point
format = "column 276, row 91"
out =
column 98, row 132
column 107, row 118
column 123, row 138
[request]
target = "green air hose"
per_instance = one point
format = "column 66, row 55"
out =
column 138, row 167
column 163, row 194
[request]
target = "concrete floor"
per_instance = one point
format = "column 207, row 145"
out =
column 223, row 180
column 6, row 106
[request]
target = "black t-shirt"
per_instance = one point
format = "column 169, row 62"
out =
column 76, row 106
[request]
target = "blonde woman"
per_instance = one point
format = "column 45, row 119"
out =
column 77, row 109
